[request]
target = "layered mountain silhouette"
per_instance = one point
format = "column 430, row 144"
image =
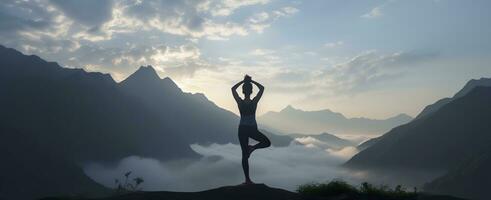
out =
column 78, row 116
column 447, row 139
column 459, row 128
column 84, row 115
column 292, row 120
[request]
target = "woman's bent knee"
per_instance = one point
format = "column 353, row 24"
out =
column 265, row 143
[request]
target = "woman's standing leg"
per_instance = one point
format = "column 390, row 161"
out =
column 244, row 145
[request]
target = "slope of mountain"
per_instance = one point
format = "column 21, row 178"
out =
column 472, row 179
column 29, row 171
column 368, row 143
column 466, row 89
column 440, row 141
column 200, row 120
column 332, row 141
column 292, row 120
column 84, row 115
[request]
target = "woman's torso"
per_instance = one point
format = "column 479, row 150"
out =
column 247, row 109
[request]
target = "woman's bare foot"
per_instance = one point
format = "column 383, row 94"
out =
column 247, row 182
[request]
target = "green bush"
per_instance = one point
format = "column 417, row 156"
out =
column 339, row 187
column 332, row 188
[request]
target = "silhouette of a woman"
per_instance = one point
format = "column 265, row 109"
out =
column 248, row 125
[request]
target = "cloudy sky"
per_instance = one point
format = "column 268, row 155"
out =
column 362, row 58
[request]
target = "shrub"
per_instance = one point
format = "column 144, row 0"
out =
column 332, row 188
column 339, row 187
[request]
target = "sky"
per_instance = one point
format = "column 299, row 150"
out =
column 361, row 58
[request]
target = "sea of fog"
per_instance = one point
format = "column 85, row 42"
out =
column 304, row 161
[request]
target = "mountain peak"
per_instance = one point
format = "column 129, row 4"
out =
column 402, row 116
column 473, row 84
column 288, row 108
column 146, row 78
column 146, row 72
column 469, row 86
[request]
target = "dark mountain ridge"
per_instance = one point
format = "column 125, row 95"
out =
column 72, row 109
column 469, row 86
column 461, row 128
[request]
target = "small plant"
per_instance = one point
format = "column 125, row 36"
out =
column 128, row 185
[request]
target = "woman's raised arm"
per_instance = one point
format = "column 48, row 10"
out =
column 260, row 93
column 234, row 91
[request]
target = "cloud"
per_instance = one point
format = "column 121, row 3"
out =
column 260, row 21
column 18, row 16
column 377, row 11
column 285, row 11
column 259, row 17
column 88, row 12
column 359, row 73
column 346, row 152
column 172, row 17
column 99, row 20
column 334, row 44
column 117, row 36
column 285, row 167
column 374, row 13
column 262, row 52
column 367, row 69
column 175, row 61
column 227, row 7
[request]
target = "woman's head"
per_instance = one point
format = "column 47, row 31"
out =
column 247, row 86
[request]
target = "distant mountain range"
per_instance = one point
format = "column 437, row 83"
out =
column 292, row 120
column 455, row 135
column 73, row 116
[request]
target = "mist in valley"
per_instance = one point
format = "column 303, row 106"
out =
column 305, row 160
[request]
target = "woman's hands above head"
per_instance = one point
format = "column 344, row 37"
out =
column 247, row 78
